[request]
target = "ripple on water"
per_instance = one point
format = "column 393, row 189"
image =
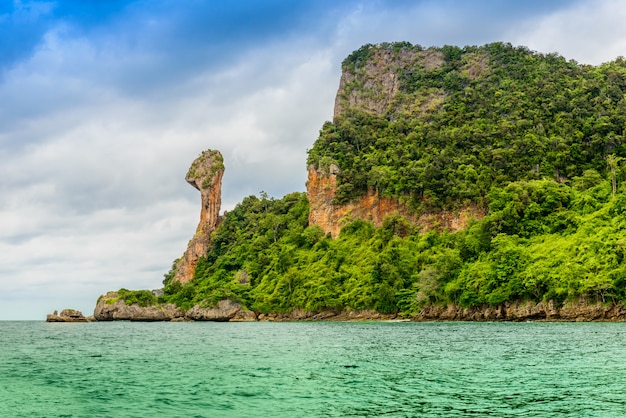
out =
column 312, row 369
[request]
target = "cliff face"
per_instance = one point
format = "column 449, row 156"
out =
column 205, row 174
column 371, row 84
column 321, row 188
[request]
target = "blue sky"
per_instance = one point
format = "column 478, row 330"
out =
column 106, row 103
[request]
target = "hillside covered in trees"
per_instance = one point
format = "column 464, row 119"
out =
column 534, row 140
column 465, row 120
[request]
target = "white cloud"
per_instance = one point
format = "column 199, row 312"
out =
column 591, row 32
column 94, row 179
column 97, row 133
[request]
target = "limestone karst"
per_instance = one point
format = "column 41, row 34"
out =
column 205, row 174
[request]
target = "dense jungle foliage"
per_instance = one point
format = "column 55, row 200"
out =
column 541, row 240
column 484, row 117
column 534, row 139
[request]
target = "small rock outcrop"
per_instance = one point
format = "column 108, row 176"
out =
column 111, row 308
column 68, row 315
column 205, row 174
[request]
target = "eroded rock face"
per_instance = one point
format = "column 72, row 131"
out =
column 372, row 85
column 244, row 315
column 328, row 315
column 205, row 174
column 224, row 311
column 321, row 189
column 110, row 308
column 526, row 311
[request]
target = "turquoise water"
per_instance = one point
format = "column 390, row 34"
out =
column 312, row 369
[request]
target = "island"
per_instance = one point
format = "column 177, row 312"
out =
column 478, row 183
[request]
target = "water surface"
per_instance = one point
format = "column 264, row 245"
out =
column 312, row 369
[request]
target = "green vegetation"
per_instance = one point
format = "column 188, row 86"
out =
column 477, row 118
column 197, row 169
column 541, row 241
column 535, row 140
column 140, row 297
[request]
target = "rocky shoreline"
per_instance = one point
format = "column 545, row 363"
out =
column 112, row 308
column 580, row 311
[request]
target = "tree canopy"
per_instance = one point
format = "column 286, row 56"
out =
column 483, row 117
column 534, row 139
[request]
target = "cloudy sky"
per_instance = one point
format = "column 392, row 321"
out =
column 104, row 104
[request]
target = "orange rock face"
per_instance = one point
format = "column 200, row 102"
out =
column 205, row 174
column 374, row 88
column 321, row 188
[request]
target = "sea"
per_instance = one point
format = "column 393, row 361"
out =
column 312, row 369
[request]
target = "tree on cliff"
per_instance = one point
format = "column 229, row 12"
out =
column 534, row 139
column 440, row 127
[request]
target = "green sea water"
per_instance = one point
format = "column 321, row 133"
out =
column 122, row 369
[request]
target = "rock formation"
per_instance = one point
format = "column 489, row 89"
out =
column 370, row 80
column 68, row 315
column 527, row 311
column 111, row 308
column 225, row 310
column 205, row 174
column 372, row 86
column 321, row 189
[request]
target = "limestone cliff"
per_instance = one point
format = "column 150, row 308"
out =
column 369, row 83
column 205, row 174
column 321, row 188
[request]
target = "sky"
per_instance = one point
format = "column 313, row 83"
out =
column 105, row 104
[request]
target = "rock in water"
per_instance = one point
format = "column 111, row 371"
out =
column 205, row 174
column 111, row 308
column 68, row 315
